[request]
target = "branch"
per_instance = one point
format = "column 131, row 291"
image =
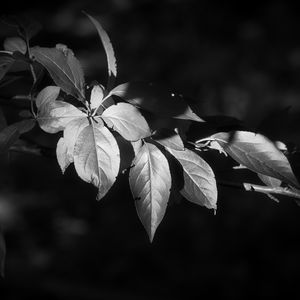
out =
column 249, row 187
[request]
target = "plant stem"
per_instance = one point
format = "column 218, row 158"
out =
column 33, row 78
column 249, row 187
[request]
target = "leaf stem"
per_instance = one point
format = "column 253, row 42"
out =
column 34, row 78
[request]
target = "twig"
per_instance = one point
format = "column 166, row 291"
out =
column 249, row 187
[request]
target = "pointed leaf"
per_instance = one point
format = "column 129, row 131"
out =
column 97, row 157
column 109, row 50
column 64, row 69
column 6, row 62
column 150, row 184
column 199, row 179
column 168, row 138
column 15, row 44
column 54, row 116
column 257, row 153
column 157, row 100
column 48, row 94
column 96, row 96
column 126, row 120
column 62, row 155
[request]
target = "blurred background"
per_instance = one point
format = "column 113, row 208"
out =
column 238, row 59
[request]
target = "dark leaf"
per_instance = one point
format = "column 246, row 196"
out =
column 15, row 44
column 26, row 26
column 157, row 100
column 6, row 62
column 3, row 123
column 8, row 136
column 199, row 179
column 150, row 184
column 64, row 69
column 24, row 125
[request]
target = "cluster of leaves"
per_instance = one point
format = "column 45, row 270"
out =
column 134, row 128
column 113, row 129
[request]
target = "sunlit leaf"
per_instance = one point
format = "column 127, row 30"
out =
column 150, row 184
column 199, row 179
column 64, row 69
column 62, row 155
column 96, row 96
column 155, row 99
column 54, row 116
column 15, row 44
column 71, row 133
column 270, row 181
column 168, row 138
column 48, row 94
column 127, row 121
column 257, row 153
column 110, row 54
column 97, row 157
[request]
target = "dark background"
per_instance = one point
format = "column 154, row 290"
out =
column 237, row 59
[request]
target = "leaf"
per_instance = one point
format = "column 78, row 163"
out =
column 46, row 95
column 27, row 27
column 96, row 96
column 127, row 121
column 109, row 50
column 157, row 100
column 2, row 254
column 71, row 133
column 150, row 184
column 54, row 116
column 24, row 125
column 64, row 69
column 62, row 155
column 97, row 157
column 269, row 181
column 6, row 62
column 15, row 44
column 257, row 153
column 199, row 179
column 168, row 138
column 8, row 136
